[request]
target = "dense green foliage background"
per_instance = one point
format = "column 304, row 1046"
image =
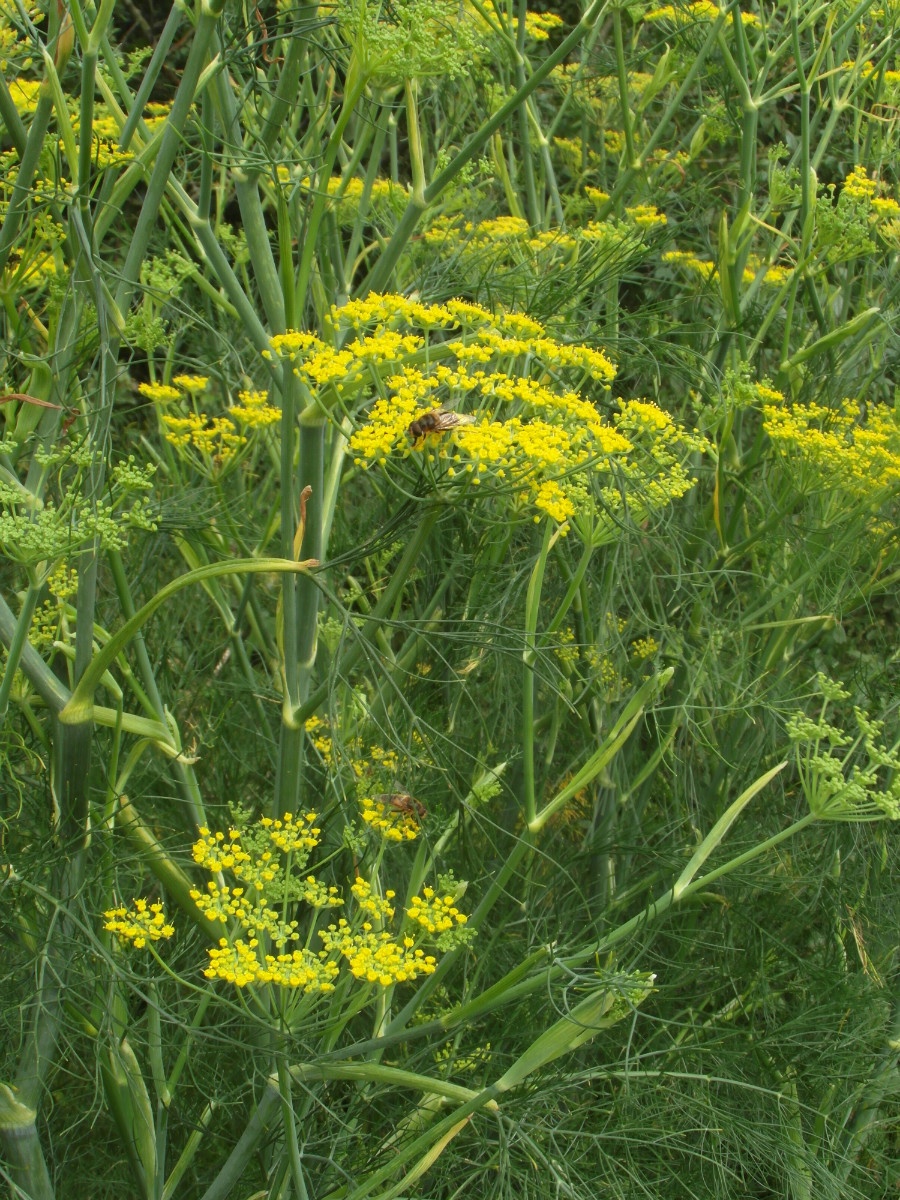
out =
column 629, row 706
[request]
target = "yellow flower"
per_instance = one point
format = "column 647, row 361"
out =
column 161, row 393
column 254, row 409
column 191, row 383
column 142, row 923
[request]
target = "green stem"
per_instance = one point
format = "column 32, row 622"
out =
column 253, row 218
column 28, row 162
column 321, row 198
column 17, row 644
column 54, row 693
column 257, row 1128
column 289, row 1125
column 529, row 656
column 622, row 77
column 535, row 216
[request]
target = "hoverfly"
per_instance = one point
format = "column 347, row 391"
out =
column 438, row 420
column 403, row 803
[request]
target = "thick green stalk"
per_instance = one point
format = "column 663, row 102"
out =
column 289, row 1125
column 28, row 1172
column 624, row 97
column 284, row 101
column 300, row 600
column 9, row 115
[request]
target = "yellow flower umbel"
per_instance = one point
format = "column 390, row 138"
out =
column 389, row 822
column 839, row 450
column 142, row 923
column 500, row 400
column 270, row 907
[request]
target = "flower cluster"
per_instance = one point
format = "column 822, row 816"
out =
column 142, row 923
column 437, row 914
column 268, row 906
column 839, row 450
column 548, row 439
column 376, row 956
column 530, row 432
column 389, row 822
column 254, row 410
column 697, row 10
column 770, row 274
column 539, row 25
column 215, row 439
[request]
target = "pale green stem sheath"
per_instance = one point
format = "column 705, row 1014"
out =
column 416, row 163
column 301, row 607
column 18, row 1133
column 311, row 475
column 290, row 749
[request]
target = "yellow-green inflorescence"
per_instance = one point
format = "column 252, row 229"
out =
column 518, row 421
column 854, row 449
column 268, row 904
column 216, row 438
column 143, row 922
